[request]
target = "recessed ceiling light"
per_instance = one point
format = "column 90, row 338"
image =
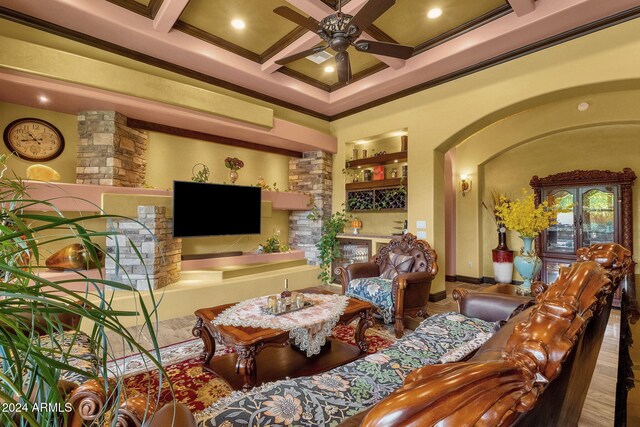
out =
column 434, row 13
column 329, row 69
column 238, row 24
column 43, row 99
column 583, row 106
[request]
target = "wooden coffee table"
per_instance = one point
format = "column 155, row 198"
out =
column 279, row 360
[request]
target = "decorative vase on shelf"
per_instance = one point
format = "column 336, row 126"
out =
column 527, row 263
column 502, row 259
column 233, row 176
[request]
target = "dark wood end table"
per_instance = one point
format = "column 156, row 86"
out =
column 282, row 360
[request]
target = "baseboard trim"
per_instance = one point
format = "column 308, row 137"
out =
column 438, row 296
column 478, row 281
column 468, row 279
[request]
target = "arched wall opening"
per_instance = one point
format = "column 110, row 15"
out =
column 549, row 138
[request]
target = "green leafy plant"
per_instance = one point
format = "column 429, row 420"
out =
column 202, row 175
column 32, row 306
column 273, row 245
column 328, row 247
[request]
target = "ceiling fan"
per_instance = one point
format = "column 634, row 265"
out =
column 341, row 30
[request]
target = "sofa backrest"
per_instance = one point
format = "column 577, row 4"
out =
column 565, row 326
column 424, row 257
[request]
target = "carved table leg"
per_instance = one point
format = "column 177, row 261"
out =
column 246, row 365
column 398, row 326
column 200, row 331
column 364, row 323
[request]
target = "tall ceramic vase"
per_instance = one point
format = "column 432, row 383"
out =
column 527, row 263
column 502, row 259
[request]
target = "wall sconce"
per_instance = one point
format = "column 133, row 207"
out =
column 465, row 184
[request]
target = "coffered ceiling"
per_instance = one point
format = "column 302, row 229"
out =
column 197, row 38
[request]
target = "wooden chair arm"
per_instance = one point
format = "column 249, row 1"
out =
column 89, row 400
column 418, row 277
column 357, row 271
column 173, row 414
column 458, row 394
column 136, row 410
column 538, row 288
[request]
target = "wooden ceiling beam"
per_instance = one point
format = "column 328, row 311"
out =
column 522, row 7
column 315, row 9
column 319, row 10
column 168, row 14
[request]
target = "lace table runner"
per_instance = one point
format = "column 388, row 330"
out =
column 309, row 327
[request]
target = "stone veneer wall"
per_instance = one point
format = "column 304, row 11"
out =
column 109, row 152
column 311, row 174
column 161, row 256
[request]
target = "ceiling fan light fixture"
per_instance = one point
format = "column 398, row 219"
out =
column 434, row 13
column 336, row 23
column 238, row 24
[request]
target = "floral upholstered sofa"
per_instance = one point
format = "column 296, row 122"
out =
column 329, row 398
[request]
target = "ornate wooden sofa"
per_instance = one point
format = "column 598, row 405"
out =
column 397, row 280
column 535, row 371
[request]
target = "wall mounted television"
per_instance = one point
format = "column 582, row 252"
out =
column 201, row 209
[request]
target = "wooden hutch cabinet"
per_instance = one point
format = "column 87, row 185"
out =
column 602, row 212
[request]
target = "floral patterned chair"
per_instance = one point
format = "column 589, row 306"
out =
column 397, row 280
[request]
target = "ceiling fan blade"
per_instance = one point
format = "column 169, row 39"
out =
column 308, row 23
column 300, row 55
column 343, row 67
column 369, row 13
column 384, row 48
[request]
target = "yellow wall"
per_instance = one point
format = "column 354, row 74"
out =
column 442, row 117
column 169, row 158
column 172, row 158
column 65, row 164
column 550, row 138
column 607, row 147
column 60, row 45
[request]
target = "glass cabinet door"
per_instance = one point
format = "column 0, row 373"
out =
column 561, row 237
column 551, row 270
column 598, row 215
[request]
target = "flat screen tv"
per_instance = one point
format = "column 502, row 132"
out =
column 201, row 209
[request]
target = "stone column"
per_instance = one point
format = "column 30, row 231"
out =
column 311, row 174
column 109, row 152
column 160, row 261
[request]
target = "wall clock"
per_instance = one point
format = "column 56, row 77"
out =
column 33, row 139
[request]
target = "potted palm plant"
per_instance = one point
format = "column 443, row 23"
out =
column 33, row 389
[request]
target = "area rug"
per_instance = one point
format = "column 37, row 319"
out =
column 194, row 386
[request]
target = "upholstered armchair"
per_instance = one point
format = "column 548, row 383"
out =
column 397, row 280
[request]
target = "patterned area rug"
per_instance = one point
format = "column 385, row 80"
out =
column 197, row 388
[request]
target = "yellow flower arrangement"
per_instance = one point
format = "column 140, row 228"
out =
column 524, row 217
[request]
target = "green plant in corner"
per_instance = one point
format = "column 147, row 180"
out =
column 35, row 372
column 328, row 244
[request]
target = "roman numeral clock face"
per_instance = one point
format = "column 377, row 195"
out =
column 34, row 139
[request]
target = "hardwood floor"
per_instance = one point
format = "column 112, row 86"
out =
column 598, row 408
